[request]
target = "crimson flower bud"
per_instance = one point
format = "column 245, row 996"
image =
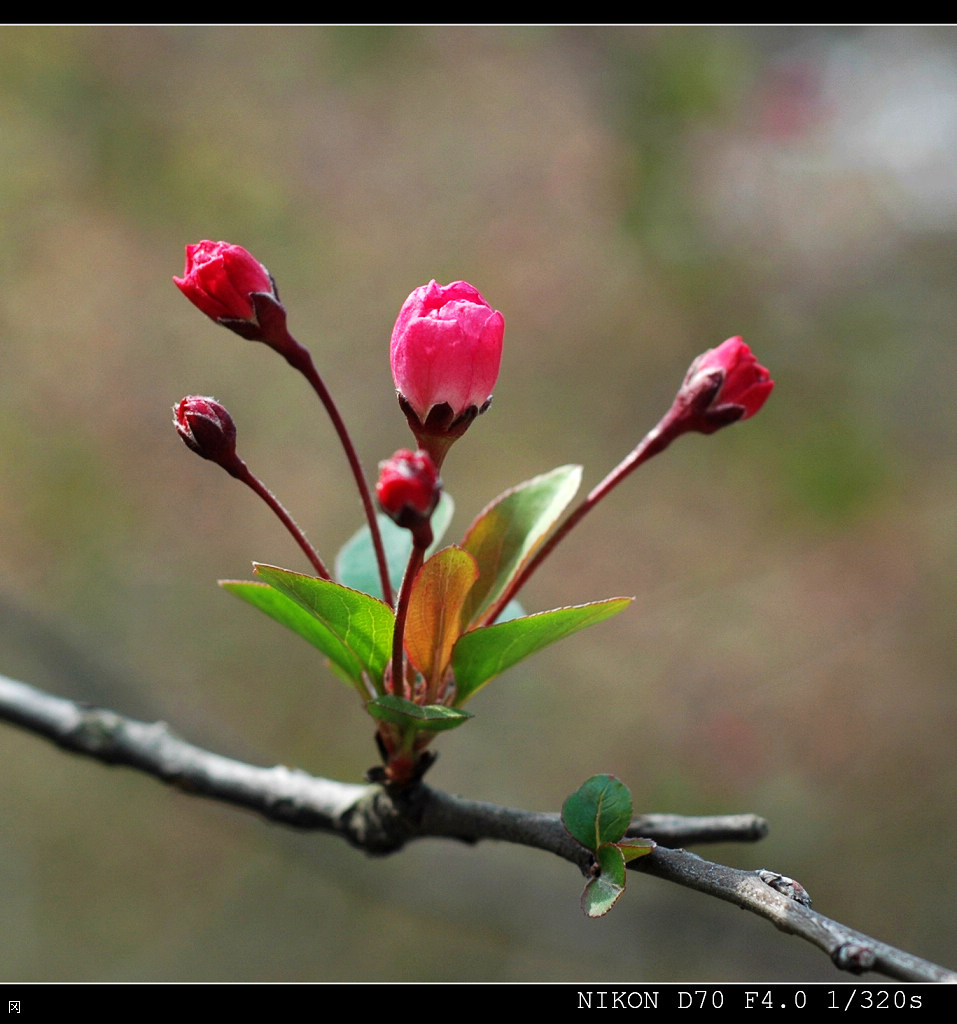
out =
column 231, row 286
column 446, row 351
column 723, row 385
column 408, row 488
column 208, row 429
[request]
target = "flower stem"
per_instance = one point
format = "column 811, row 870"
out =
column 655, row 441
column 242, row 473
column 401, row 612
column 299, row 358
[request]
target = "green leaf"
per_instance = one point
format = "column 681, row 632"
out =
column 483, row 653
column 434, row 620
column 597, row 815
column 603, row 892
column 600, row 896
column 358, row 628
column 509, row 531
column 598, row 812
column 356, row 564
column 285, row 611
column 423, row 718
column 632, row 849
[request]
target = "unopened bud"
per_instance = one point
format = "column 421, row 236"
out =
column 723, row 385
column 208, row 429
column 229, row 285
column 446, row 351
column 408, row 489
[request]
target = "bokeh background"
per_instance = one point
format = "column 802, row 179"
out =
column 628, row 197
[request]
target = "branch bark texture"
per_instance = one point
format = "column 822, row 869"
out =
column 380, row 823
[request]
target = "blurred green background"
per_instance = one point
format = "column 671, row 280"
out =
column 628, row 197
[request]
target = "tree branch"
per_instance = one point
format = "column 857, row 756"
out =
column 372, row 820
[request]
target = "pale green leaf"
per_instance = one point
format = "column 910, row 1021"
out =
column 603, row 892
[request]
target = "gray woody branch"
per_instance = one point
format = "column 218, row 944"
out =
column 372, row 820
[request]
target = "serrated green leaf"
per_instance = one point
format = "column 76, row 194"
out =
column 507, row 532
column 483, row 653
column 356, row 564
column 434, row 620
column 423, row 718
column 358, row 627
column 287, row 612
column 598, row 812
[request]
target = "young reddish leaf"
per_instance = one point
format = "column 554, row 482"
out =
column 423, row 718
column 434, row 619
column 483, row 653
column 361, row 625
column 598, row 812
column 509, row 530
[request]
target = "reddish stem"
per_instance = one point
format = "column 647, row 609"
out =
column 299, row 358
column 241, row 472
column 401, row 613
column 655, row 441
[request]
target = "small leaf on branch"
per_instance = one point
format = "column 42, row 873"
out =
column 597, row 815
column 632, row 849
column 603, row 892
column 427, row 718
column 598, row 812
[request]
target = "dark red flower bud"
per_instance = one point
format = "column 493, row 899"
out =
column 408, row 488
column 207, row 428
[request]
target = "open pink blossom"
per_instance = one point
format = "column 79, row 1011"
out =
column 446, row 351
column 723, row 385
column 220, row 279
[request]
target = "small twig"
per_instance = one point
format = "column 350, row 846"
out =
column 372, row 820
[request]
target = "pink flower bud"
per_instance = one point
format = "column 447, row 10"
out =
column 446, row 350
column 408, row 488
column 208, row 429
column 723, row 385
column 220, row 279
